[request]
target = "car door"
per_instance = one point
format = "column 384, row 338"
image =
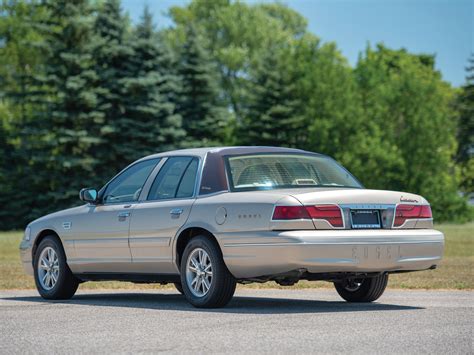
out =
column 101, row 234
column 156, row 220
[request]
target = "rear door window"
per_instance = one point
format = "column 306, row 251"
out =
column 176, row 179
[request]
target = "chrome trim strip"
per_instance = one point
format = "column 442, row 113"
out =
column 367, row 206
column 374, row 243
column 421, row 258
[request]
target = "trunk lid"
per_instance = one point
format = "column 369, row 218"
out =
column 340, row 196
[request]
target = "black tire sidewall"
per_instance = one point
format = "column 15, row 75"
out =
column 370, row 290
column 219, row 272
column 65, row 275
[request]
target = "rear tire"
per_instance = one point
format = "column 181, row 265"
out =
column 362, row 290
column 54, row 280
column 206, row 281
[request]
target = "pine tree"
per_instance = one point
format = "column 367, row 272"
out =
column 20, row 56
column 150, row 123
column 64, row 136
column 274, row 115
column 204, row 116
column 7, row 218
column 21, row 61
column 112, row 53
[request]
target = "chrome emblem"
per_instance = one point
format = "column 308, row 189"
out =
column 67, row 225
column 407, row 200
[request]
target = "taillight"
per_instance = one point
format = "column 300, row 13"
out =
column 290, row 212
column 405, row 212
column 330, row 213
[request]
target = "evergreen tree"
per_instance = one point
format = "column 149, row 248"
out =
column 63, row 153
column 465, row 134
column 204, row 116
column 21, row 59
column 274, row 114
column 150, row 123
column 112, row 53
column 7, row 218
column 21, row 56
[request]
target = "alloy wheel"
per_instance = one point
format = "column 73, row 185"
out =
column 48, row 268
column 199, row 272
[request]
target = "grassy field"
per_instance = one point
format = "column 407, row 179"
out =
column 455, row 272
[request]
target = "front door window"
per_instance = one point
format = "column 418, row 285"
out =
column 127, row 186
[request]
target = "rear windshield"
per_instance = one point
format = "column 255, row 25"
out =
column 276, row 171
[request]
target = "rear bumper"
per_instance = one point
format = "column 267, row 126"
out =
column 255, row 254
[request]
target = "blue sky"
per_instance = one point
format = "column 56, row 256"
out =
column 441, row 27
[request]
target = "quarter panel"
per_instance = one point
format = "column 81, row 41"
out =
column 244, row 212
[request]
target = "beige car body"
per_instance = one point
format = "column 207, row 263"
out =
column 99, row 241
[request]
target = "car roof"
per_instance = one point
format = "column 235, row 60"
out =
column 237, row 150
column 213, row 175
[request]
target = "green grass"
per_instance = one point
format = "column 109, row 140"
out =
column 455, row 272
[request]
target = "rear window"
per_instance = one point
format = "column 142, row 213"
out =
column 275, row 171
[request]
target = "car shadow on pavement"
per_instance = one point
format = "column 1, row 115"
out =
column 239, row 304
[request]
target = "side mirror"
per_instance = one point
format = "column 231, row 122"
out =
column 88, row 195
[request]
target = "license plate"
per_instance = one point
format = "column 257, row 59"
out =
column 365, row 219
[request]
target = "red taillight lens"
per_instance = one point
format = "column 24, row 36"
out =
column 290, row 212
column 404, row 212
column 330, row 213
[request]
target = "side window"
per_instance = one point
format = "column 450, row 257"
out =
column 127, row 186
column 175, row 179
column 186, row 187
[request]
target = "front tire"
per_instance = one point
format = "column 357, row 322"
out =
column 54, row 280
column 206, row 281
column 362, row 290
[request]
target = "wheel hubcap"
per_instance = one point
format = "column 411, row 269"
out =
column 199, row 272
column 48, row 268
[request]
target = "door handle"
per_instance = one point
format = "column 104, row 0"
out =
column 176, row 212
column 122, row 216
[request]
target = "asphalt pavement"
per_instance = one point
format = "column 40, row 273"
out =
column 256, row 321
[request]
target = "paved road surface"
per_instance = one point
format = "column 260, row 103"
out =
column 270, row 321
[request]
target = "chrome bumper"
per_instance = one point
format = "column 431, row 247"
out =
column 254, row 254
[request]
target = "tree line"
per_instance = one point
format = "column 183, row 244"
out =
column 84, row 92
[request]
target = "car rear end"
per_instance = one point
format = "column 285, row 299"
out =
column 330, row 227
column 348, row 247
